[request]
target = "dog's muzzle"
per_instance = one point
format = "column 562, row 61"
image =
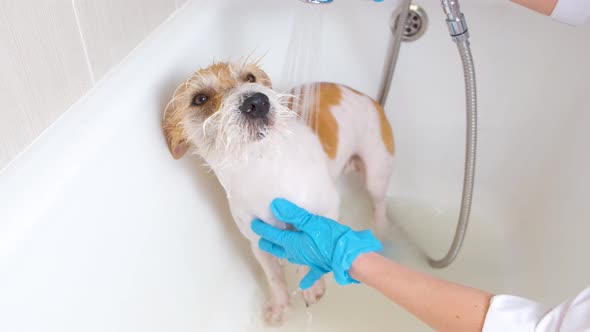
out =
column 256, row 105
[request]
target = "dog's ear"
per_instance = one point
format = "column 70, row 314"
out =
column 264, row 79
column 261, row 76
column 174, row 131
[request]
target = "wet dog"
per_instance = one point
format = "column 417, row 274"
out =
column 262, row 144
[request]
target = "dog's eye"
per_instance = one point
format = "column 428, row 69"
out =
column 200, row 99
column 250, row 78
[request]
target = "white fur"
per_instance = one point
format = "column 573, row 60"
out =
column 224, row 138
column 289, row 162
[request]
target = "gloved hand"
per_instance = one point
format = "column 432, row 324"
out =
column 320, row 243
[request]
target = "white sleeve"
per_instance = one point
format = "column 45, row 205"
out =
column 573, row 12
column 512, row 313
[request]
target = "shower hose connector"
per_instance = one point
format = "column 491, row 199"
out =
column 455, row 21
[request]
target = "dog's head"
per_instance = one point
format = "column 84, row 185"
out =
column 224, row 109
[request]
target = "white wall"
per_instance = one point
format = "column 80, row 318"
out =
column 55, row 51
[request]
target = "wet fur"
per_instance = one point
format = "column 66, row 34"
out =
column 279, row 155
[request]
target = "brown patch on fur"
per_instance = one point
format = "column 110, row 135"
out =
column 291, row 104
column 174, row 131
column 325, row 123
column 386, row 132
column 321, row 119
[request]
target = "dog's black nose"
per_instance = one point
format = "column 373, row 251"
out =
column 256, row 106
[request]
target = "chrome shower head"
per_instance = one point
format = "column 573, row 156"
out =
column 320, row 2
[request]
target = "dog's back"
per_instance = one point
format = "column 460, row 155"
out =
column 354, row 132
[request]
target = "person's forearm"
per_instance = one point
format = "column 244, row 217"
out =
column 542, row 6
column 442, row 305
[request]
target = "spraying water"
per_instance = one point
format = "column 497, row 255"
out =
column 303, row 61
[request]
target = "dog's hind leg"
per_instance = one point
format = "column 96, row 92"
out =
column 376, row 170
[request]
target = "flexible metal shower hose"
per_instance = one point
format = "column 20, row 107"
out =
column 471, row 132
column 470, row 151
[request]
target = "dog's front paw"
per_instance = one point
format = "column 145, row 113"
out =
column 275, row 313
column 313, row 294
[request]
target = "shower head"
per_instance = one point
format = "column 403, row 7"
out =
column 321, row 2
column 324, row 2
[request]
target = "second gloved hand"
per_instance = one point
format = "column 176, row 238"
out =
column 320, row 243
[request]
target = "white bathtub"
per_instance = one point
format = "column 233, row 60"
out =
column 101, row 230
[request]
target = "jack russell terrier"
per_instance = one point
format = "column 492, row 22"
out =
column 260, row 148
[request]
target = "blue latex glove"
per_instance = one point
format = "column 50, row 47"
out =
column 320, row 243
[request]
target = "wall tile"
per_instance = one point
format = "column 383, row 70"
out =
column 43, row 69
column 112, row 28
